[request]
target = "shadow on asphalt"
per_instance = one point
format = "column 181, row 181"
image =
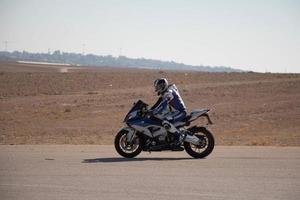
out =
column 116, row 159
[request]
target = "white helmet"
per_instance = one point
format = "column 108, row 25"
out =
column 161, row 85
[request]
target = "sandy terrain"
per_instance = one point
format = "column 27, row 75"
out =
column 76, row 172
column 41, row 105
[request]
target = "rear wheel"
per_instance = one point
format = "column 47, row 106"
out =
column 125, row 149
column 205, row 147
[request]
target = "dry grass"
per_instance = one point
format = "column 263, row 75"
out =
column 87, row 106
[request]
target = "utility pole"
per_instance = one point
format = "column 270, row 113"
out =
column 5, row 45
column 120, row 52
column 83, row 48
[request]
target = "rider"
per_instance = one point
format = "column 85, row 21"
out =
column 170, row 108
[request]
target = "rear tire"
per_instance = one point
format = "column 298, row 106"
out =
column 125, row 150
column 209, row 143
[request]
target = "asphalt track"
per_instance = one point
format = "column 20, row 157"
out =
column 97, row 172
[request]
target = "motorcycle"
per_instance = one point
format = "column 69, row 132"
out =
column 144, row 132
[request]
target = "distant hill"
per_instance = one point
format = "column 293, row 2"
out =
column 98, row 60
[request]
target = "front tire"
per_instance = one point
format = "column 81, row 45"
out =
column 205, row 148
column 127, row 150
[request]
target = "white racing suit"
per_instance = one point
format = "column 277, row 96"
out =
column 170, row 108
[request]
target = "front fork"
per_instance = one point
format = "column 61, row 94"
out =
column 130, row 135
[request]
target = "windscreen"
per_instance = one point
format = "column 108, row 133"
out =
column 136, row 106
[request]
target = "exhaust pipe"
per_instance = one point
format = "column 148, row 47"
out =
column 192, row 139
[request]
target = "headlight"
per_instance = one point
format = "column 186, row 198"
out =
column 130, row 116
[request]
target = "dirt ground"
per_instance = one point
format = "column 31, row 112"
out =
column 85, row 105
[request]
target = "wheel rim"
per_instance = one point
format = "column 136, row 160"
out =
column 203, row 145
column 129, row 148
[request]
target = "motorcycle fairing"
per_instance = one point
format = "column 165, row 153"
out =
column 197, row 113
column 143, row 125
column 134, row 111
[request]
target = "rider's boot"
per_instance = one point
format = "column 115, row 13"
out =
column 179, row 136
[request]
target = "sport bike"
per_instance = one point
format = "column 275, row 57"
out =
column 144, row 132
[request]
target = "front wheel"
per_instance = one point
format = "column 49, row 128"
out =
column 124, row 148
column 206, row 145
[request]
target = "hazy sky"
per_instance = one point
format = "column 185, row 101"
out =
column 258, row 35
